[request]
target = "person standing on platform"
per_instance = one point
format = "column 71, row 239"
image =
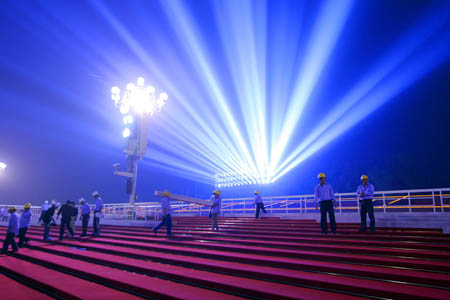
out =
column 364, row 194
column 66, row 211
column 24, row 224
column 166, row 212
column 74, row 216
column 47, row 219
column 324, row 195
column 5, row 214
column 215, row 209
column 85, row 215
column 44, row 207
column 11, row 232
column 97, row 212
column 259, row 204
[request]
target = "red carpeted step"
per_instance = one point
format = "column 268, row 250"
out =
column 293, row 244
column 309, row 229
column 353, row 285
column 323, row 256
column 11, row 289
column 299, row 235
column 244, row 286
column 140, row 284
column 63, row 285
column 426, row 278
column 294, row 253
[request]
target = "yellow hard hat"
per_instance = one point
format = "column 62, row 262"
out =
column 166, row 193
column 217, row 192
column 12, row 209
column 27, row 205
column 321, row 175
column 256, row 192
column 364, row 177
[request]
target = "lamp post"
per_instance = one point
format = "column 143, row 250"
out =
column 137, row 104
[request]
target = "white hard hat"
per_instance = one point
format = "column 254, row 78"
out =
column 46, row 202
column 81, row 200
column 95, row 193
column 54, row 201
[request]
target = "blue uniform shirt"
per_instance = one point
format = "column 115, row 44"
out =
column 85, row 209
column 258, row 199
column 165, row 205
column 13, row 225
column 25, row 219
column 323, row 193
column 368, row 191
column 215, row 201
column 98, row 204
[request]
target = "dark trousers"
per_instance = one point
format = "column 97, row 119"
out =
column 215, row 223
column 22, row 238
column 367, row 208
column 65, row 222
column 167, row 220
column 96, row 224
column 260, row 206
column 46, row 230
column 327, row 207
column 9, row 240
column 85, row 223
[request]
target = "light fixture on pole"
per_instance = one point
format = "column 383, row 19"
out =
column 136, row 105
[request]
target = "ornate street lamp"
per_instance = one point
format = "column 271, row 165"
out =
column 136, row 105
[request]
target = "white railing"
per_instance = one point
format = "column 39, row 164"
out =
column 400, row 201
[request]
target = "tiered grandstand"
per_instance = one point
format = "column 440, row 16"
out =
column 268, row 258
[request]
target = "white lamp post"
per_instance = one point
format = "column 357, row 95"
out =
column 136, row 104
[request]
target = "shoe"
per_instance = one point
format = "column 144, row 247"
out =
column 82, row 235
column 155, row 231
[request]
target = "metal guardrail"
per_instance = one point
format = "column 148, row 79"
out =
column 400, row 201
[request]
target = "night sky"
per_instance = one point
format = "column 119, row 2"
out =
column 60, row 132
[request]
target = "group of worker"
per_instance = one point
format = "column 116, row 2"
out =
column 17, row 226
column 68, row 213
column 323, row 197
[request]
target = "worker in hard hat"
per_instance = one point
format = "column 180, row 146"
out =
column 215, row 209
column 47, row 219
column 73, row 217
column 65, row 212
column 97, row 212
column 259, row 204
column 324, row 196
column 11, row 231
column 85, row 215
column 364, row 195
column 44, row 207
column 5, row 214
column 166, row 214
column 24, row 224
